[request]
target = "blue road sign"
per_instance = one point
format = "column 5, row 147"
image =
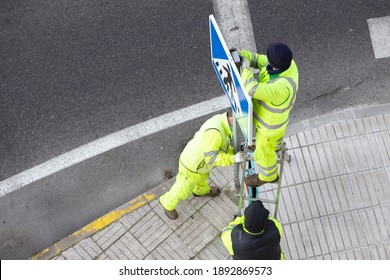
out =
column 230, row 79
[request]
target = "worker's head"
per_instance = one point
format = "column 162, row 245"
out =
column 256, row 217
column 229, row 115
column 279, row 56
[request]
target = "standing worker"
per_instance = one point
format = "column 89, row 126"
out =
column 254, row 236
column 273, row 96
column 210, row 147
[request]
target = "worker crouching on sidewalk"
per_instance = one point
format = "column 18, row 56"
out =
column 254, row 236
column 210, row 147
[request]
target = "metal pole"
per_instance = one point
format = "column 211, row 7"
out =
column 280, row 180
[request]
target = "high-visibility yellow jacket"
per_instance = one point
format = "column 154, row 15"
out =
column 273, row 96
column 210, row 146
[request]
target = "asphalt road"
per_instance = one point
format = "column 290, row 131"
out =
column 331, row 44
column 74, row 71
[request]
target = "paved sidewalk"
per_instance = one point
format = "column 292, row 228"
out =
column 334, row 202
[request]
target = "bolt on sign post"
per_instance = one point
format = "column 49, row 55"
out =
column 231, row 82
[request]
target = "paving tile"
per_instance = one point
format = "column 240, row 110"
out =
column 368, row 152
column 288, row 175
column 333, row 195
column 103, row 256
column 348, row 190
column 344, row 231
column 346, row 129
column 294, row 168
column 387, row 120
column 173, row 248
column 367, row 126
column 328, row 231
column 90, row 247
column 294, row 141
column 374, row 252
column 296, row 204
column 311, row 190
column 289, row 237
column 219, row 211
column 301, row 165
column 352, row 127
column 382, row 149
column 336, row 233
column 381, row 122
column 373, row 225
column 350, row 255
column 321, row 236
column 351, row 232
column 343, row 255
column 338, row 158
column 327, row 257
column 338, row 130
column 74, row 254
column 107, row 236
column 314, row 242
column 58, row 258
column 133, row 217
column 323, row 134
column 340, row 193
column 360, row 126
column 197, row 232
column 298, row 241
column 374, row 124
column 360, row 153
column 331, row 132
column 355, row 164
column 309, row 137
column 334, row 256
column 304, row 201
column 355, row 191
column 331, row 159
column 150, row 231
column 126, row 248
column 289, row 205
column 215, row 173
column 310, row 167
column 324, row 167
column 302, row 139
column 363, row 189
column 316, row 135
column 371, row 188
column 350, row 164
column 382, row 253
column 284, row 245
column 359, row 227
column 324, row 193
column 384, row 176
column 366, row 253
column 358, row 254
column 306, row 241
column 375, row 150
column 214, row 251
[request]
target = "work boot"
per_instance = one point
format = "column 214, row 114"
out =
column 214, row 191
column 254, row 180
column 173, row 215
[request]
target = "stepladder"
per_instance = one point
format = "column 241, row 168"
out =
column 268, row 193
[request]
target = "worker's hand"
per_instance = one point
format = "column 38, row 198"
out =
column 246, row 54
column 246, row 74
column 239, row 157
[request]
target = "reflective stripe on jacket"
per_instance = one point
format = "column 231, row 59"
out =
column 209, row 147
column 272, row 98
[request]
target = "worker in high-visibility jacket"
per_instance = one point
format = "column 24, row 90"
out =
column 273, row 96
column 210, row 147
column 254, row 236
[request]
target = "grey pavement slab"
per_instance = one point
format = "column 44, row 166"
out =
column 335, row 201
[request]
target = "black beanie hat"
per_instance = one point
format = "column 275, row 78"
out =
column 279, row 56
column 256, row 217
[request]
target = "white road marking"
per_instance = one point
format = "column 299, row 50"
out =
column 380, row 35
column 112, row 141
column 237, row 28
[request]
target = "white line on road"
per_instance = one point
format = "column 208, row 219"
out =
column 112, row 141
column 236, row 25
column 380, row 35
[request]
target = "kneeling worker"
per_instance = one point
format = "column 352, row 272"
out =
column 210, row 147
column 254, row 236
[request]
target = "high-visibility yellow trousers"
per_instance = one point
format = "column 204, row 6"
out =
column 265, row 155
column 186, row 183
